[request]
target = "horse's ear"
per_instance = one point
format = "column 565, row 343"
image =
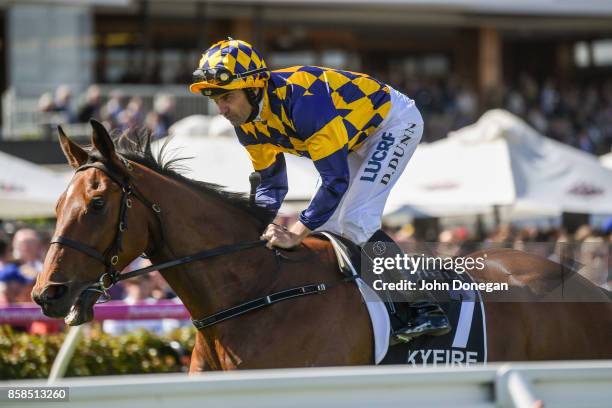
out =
column 102, row 140
column 75, row 154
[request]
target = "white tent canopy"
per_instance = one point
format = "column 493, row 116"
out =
column 606, row 160
column 26, row 189
column 500, row 160
column 449, row 174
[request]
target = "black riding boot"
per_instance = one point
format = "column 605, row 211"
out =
column 425, row 317
column 414, row 312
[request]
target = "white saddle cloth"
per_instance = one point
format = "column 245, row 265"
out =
column 381, row 325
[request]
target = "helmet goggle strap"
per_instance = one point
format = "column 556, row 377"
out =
column 222, row 76
column 253, row 98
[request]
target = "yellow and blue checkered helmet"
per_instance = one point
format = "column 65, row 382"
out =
column 227, row 65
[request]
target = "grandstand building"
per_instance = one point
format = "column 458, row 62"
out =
column 145, row 46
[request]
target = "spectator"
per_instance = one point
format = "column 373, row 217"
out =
column 91, row 106
column 549, row 97
column 449, row 243
column 515, row 103
column 28, row 252
column 467, row 107
column 154, row 124
column 594, row 257
column 17, row 279
column 405, row 234
column 529, row 89
column 133, row 116
column 136, row 107
column 46, row 120
column 4, row 250
column 15, row 287
column 503, row 236
column 160, row 288
column 583, row 232
column 113, row 108
column 45, row 103
column 537, row 119
column 164, row 106
column 585, row 143
column 62, row 104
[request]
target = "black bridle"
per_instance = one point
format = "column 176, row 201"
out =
column 110, row 257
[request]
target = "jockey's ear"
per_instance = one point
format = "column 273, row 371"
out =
column 75, row 154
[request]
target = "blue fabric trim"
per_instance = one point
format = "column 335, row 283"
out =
column 273, row 188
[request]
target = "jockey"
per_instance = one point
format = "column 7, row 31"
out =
column 359, row 132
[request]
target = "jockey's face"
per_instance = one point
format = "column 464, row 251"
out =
column 234, row 106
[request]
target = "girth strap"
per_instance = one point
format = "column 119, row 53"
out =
column 258, row 304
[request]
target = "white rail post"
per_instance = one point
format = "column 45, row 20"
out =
column 60, row 364
column 513, row 389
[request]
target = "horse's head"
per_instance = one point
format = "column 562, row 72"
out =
column 91, row 239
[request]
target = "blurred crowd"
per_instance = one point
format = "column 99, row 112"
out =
column 587, row 250
column 578, row 114
column 116, row 111
column 21, row 260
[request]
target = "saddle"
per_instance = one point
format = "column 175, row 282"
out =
column 463, row 346
column 353, row 259
column 348, row 253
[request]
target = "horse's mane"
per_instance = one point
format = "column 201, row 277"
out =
column 135, row 145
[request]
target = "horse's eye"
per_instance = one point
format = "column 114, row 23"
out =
column 97, row 204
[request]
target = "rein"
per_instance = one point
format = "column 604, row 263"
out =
column 113, row 276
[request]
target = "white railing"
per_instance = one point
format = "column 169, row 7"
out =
column 556, row 384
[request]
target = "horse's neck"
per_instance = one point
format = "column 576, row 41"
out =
column 194, row 222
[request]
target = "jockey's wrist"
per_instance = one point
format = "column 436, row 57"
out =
column 300, row 230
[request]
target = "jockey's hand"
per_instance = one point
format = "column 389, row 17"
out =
column 281, row 237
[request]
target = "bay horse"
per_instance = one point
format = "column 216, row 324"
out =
column 123, row 202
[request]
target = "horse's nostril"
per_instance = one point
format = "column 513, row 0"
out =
column 37, row 298
column 53, row 292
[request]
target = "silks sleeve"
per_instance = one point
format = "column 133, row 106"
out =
column 273, row 188
column 327, row 144
column 334, row 183
column 270, row 163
